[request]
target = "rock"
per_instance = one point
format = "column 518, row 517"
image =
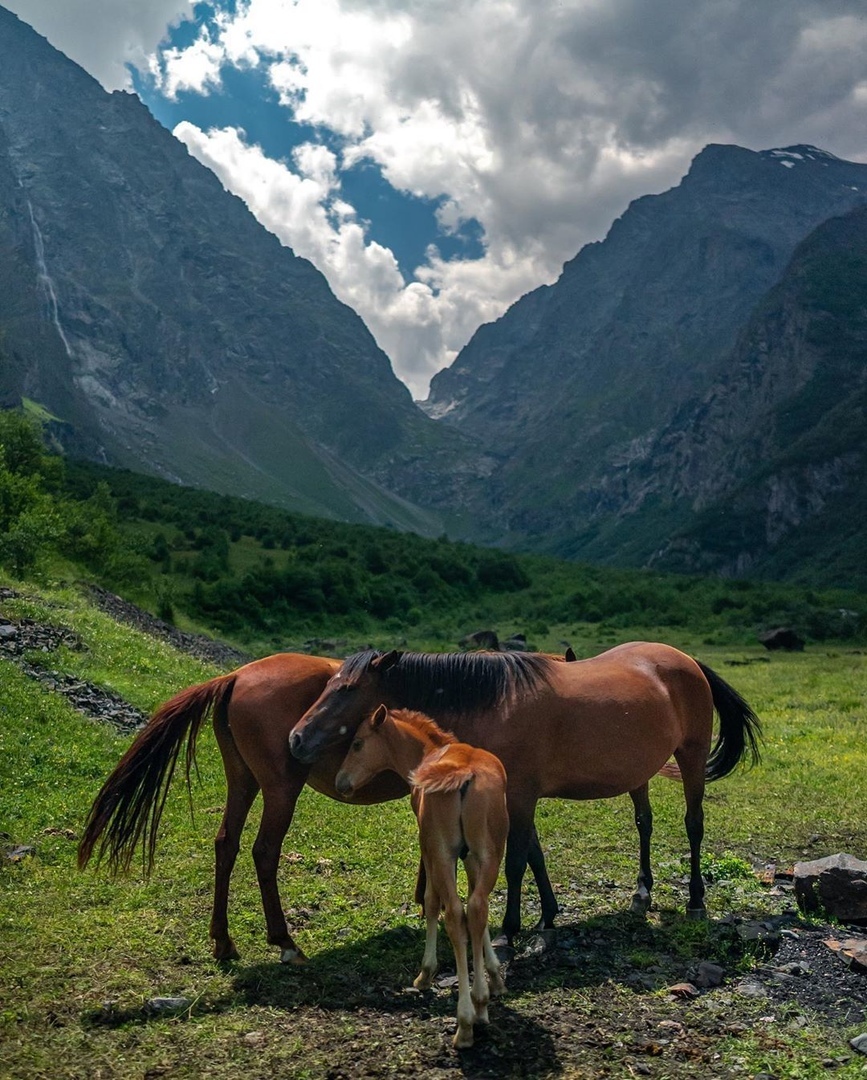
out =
column 762, row 932
column 516, row 643
column 750, row 988
column 481, row 639
column 20, row 852
column 709, row 975
column 684, row 990
column 783, row 637
column 168, row 1004
column 859, row 1043
column 852, row 951
column 836, row 885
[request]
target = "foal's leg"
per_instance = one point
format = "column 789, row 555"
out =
column 481, row 879
column 242, row 789
column 692, row 768
column 644, row 824
column 456, row 926
column 432, row 907
column 279, row 806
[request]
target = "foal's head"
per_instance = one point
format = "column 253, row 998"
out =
column 368, row 755
column 388, row 740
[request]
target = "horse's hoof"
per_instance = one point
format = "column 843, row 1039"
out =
column 292, row 956
column 640, row 905
column 544, row 924
column 225, row 951
column 696, row 914
column 463, row 1039
column 423, row 980
column 482, row 1015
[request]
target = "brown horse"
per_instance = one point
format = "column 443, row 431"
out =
column 254, row 710
column 588, row 729
column 459, row 799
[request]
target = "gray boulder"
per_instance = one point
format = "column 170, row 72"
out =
column 835, row 885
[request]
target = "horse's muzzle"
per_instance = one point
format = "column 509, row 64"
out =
column 301, row 749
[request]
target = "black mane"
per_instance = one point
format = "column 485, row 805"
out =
column 439, row 683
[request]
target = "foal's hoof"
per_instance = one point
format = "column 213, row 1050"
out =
column 292, row 955
column 463, row 1039
column 640, row 905
column 696, row 914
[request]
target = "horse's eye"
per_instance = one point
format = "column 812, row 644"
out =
column 357, row 745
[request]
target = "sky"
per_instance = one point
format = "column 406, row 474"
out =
column 438, row 159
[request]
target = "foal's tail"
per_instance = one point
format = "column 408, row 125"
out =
column 434, row 776
column 130, row 804
column 740, row 731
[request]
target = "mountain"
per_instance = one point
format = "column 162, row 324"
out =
column 769, row 469
column 145, row 309
column 574, row 390
column 689, row 394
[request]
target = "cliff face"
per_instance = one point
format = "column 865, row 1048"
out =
column 575, row 386
column 770, row 467
column 146, row 308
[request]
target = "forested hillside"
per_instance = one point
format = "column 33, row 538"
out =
column 266, row 579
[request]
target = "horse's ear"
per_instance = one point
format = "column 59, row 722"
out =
column 570, row 655
column 384, row 662
column 378, row 718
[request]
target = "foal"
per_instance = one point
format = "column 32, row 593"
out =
column 459, row 799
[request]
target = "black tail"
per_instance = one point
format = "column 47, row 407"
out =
column 130, row 804
column 740, row 730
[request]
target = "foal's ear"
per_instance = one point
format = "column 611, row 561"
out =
column 378, row 718
column 570, row 656
column 384, row 662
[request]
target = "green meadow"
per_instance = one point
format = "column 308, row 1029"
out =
column 81, row 955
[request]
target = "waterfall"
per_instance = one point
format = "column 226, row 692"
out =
column 45, row 282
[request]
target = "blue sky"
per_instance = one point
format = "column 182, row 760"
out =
column 437, row 159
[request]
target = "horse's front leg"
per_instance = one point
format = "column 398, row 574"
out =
column 644, row 823
column 277, row 811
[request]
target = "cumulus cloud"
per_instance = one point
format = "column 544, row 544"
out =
column 539, row 119
column 103, row 36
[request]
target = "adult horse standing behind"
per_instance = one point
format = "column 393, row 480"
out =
column 459, row 799
column 589, row 729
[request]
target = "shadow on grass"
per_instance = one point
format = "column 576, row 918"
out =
column 366, row 986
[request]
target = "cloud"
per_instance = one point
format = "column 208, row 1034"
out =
column 103, row 36
column 538, row 119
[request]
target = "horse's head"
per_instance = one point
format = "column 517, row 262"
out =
column 352, row 693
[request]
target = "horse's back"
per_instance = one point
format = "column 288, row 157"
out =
column 608, row 723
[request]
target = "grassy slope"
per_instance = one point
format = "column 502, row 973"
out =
column 71, row 942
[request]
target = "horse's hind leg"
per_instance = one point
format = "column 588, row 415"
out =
column 521, row 830
column 644, row 823
column 547, row 899
column 242, row 789
column 692, row 768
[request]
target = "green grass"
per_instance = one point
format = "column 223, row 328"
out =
column 80, row 954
